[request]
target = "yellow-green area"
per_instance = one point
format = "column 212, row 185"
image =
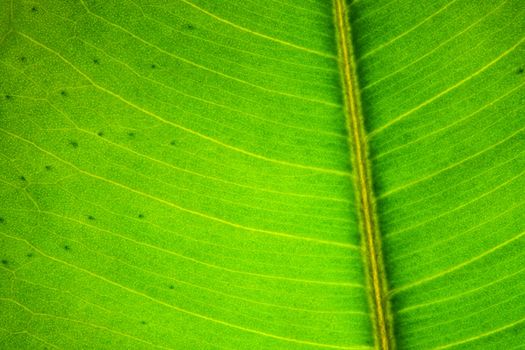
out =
column 177, row 174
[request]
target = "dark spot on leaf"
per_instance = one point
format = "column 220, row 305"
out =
column 153, row 66
column 173, row 143
column 73, row 144
column 22, row 178
column 143, row 322
column 63, row 93
column 66, row 247
column 34, row 9
column 172, row 287
column 520, row 70
column 131, row 134
column 96, row 61
column 91, row 217
column 5, row 262
column 2, row 220
column 22, row 58
column 29, row 255
column 190, row 26
column 8, row 97
column 141, row 216
column 49, row 167
column 100, row 133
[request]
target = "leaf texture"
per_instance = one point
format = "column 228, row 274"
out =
column 178, row 174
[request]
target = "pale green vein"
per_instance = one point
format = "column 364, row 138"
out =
column 178, row 126
column 444, row 92
column 456, row 267
column 236, row 26
column 182, row 310
column 190, row 211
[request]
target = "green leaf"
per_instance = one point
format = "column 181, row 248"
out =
column 200, row 174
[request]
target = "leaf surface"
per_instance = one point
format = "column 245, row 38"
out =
column 182, row 174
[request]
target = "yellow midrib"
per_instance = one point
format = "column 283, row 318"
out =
column 357, row 142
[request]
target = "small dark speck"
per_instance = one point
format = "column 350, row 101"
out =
column 153, row 66
column 5, row 262
column 34, row 9
column 172, row 287
column 66, row 247
column 141, row 216
column 143, row 322
column 100, row 133
column 49, row 167
column 131, row 134
column 29, row 255
column 96, row 61
column 22, row 178
column 173, row 143
column 74, row 144
column 2, row 220
column 23, row 58
column 190, row 26
column 8, row 97
column 521, row 70
column 63, row 93
column 91, row 217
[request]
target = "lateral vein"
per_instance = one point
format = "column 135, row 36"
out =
column 362, row 176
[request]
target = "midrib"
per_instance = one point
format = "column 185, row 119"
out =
column 363, row 183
